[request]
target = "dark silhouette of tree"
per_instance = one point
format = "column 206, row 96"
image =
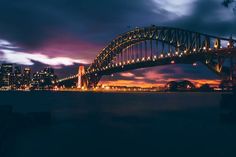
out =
column 206, row 88
column 180, row 86
column 186, row 85
column 172, row 86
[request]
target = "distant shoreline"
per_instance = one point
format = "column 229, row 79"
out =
column 111, row 91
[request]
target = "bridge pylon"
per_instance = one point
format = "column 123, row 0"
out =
column 232, row 64
column 233, row 71
column 82, row 83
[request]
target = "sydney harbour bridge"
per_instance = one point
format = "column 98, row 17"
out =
column 157, row 46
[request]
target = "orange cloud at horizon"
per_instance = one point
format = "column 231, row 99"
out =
column 130, row 83
column 198, row 83
column 143, row 84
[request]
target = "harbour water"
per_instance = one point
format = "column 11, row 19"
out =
column 119, row 125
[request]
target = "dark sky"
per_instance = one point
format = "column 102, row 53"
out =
column 65, row 32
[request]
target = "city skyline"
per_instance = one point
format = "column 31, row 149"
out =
column 16, row 77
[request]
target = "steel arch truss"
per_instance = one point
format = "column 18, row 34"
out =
column 174, row 43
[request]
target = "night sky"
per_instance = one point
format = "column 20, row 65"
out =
column 65, row 33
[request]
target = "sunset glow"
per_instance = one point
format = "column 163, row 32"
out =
column 143, row 84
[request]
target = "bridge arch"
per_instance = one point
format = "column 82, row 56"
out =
column 159, row 45
column 173, row 45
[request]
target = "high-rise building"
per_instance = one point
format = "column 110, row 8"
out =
column 7, row 74
column 17, row 76
column 44, row 78
column 1, row 76
column 26, row 76
column 17, row 70
column 49, row 70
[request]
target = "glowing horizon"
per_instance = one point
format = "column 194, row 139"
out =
column 143, row 84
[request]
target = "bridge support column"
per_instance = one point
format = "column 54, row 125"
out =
column 81, row 80
column 233, row 71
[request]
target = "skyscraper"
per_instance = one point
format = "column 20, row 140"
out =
column 44, row 79
column 17, row 76
column 7, row 74
column 26, row 76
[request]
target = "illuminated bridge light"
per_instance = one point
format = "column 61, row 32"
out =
column 138, row 60
column 172, row 62
column 176, row 52
column 194, row 64
column 194, row 50
column 209, row 49
column 143, row 59
column 155, row 57
column 204, row 48
column 128, row 62
column 185, row 51
column 161, row 56
column 133, row 61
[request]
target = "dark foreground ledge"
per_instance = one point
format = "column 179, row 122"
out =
column 11, row 122
column 228, row 107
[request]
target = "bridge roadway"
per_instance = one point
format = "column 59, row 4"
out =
column 158, row 61
column 180, row 58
